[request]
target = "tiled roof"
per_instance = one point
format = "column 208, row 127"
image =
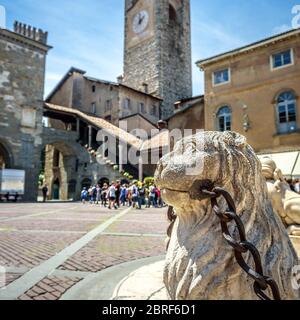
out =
column 99, row 123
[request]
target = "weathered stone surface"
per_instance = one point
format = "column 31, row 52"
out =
column 160, row 56
column 200, row 264
column 286, row 203
column 22, row 70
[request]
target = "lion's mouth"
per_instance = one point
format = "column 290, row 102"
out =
column 195, row 191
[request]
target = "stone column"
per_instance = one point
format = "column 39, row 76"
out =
column 90, row 136
column 141, row 173
column 121, row 150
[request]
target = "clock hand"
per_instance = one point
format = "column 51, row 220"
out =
column 141, row 18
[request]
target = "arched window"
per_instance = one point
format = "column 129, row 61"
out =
column 172, row 14
column 286, row 112
column 224, row 119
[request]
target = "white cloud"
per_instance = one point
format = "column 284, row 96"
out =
column 281, row 29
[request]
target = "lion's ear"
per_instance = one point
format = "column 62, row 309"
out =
column 235, row 140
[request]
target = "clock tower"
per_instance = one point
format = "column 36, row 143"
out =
column 157, row 53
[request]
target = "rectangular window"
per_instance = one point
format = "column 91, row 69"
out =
column 93, row 88
column 282, row 59
column 93, row 108
column 142, row 108
column 108, row 105
column 127, row 104
column 153, row 111
column 221, row 77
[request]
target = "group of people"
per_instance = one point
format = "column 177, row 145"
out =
column 294, row 185
column 115, row 195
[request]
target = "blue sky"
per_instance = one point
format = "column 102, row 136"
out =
column 88, row 34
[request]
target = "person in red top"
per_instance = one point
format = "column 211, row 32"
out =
column 159, row 199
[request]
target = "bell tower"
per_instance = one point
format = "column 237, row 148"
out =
column 157, row 51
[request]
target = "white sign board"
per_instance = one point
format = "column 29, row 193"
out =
column 12, row 181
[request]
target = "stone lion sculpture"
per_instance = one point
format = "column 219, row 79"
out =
column 286, row 203
column 200, row 265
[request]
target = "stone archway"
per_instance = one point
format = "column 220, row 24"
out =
column 60, row 170
column 6, row 160
column 102, row 181
column 56, row 189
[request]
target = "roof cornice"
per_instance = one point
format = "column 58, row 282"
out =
column 251, row 47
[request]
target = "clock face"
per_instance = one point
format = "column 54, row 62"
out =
column 140, row 21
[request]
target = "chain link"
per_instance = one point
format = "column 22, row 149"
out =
column 241, row 246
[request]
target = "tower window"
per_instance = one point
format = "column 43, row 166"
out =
column 93, row 88
column 172, row 14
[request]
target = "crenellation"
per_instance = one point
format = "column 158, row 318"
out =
column 31, row 32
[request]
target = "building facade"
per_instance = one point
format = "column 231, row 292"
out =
column 255, row 91
column 157, row 55
column 104, row 99
column 22, row 72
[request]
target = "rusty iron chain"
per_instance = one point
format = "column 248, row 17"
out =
column 241, row 246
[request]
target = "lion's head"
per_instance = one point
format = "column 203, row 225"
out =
column 200, row 264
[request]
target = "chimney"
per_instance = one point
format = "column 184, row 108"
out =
column 30, row 32
column 145, row 85
column 120, row 79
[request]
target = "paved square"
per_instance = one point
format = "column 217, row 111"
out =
column 48, row 248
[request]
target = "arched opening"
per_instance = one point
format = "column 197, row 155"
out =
column 224, row 119
column 5, row 159
column 58, row 168
column 56, row 190
column 103, row 181
column 286, row 107
column 86, row 183
column 72, row 189
column 172, row 14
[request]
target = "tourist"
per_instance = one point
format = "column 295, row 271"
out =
column 297, row 186
column 135, row 196
column 111, row 195
column 90, row 193
column 291, row 183
column 84, row 195
column 129, row 196
column 152, row 197
column 98, row 194
column 45, row 192
column 141, row 195
column 123, row 195
column 104, row 194
column 118, row 191
column 16, row 197
column 159, row 199
column 94, row 196
column 7, row 196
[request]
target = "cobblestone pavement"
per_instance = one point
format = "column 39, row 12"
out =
column 87, row 239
